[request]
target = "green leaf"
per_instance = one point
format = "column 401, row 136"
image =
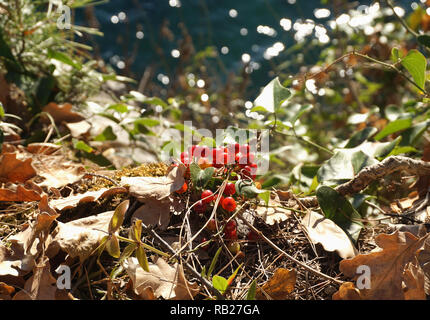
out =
column 80, row 145
column 118, row 216
column 59, row 56
column 136, row 231
column 274, row 180
column 416, row 64
column 142, row 258
column 360, row 160
column 118, row 107
column 141, row 124
column 252, row 291
column 265, row 196
column 392, row 127
column 396, row 55
column 294, row 112
column 384, row 149
column 5, row 52
column 106, row 135
column 214, row 261
column 247, row 189
column 424, row 39
column 220, row 283
column 128, row 251
column 112, row 246
column 272, row 96
column 200, row 177
column 209, row 142
column 411, row 136
column 2, row 113
column 338, row 209
column 360, row 136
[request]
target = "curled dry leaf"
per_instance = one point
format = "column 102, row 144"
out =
column 157, row 212
column 90, row 196
column 424, row 261
column 79, row 238
column 42, row 286
column 60, row 174
column 6, row 291
column 156, row 187
column 78, row 129
column 62, row 113
column 273, row 212
column 15, row 170
column 19, row 194
column 328, row 234
column 279, row 286
column 43, row 148
column 162, row 280
column 387, row 268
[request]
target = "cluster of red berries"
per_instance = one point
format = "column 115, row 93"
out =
column 235, row 158
column 236, row 155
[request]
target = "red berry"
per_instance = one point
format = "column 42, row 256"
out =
column 252, row 236
column 205, row 247
column 236, row 147
column 207, row 196
column 229, row 204
column 183, row 188
column 230, row 235
column 218, row 157
column 230, row 189
column 230, row 226
column 211, row 226
column 199, row 207
column 220, row 200
column 185, row 158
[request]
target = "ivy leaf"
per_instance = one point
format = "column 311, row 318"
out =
column 392, row 127
column 338, row 209
column 294, row 112
column 360, row 136
column 272, row 96
column 106, row 135
column 247, row 189
column 200, row 177
column 416, row 65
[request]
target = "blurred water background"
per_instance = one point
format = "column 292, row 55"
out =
column 258, row 34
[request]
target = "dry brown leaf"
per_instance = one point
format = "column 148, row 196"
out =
column 90, row 196
column 15, row 170
column 62, row 113
column 60, row 175
column 347, row 291
column 156, row 187
column 414, row 283
column 279, row 286
column 80, row 237
column 42, row 286
column 424, row 261
column 273, row 213
column 387, row 266
column 6, row 291
column 19, row 194
column 43, row 148
column 162, row 280
column 329, row 235
column 79, row 129
column 405, row 203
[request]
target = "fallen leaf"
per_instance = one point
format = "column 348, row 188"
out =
column 162, row 280
column 19, row 194
column 15, row 170
column 60, row 174
column 62, row 113
column 79, row 238
column 387, row 266
column 90, row 196
column 42, row 286
column 156, row 187
column 157, row 212
column 6, row 291
column 273, row 212
column 328, row 234
column 78, row 129
column 414, row 283
column 347, row 291
column 43, row 148
column 279, row 286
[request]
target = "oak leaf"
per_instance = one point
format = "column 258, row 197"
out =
column 62, row 113
column 19, row 193
column 273, row 212
column 279, row 286
column 388, row 267
column 15, row 170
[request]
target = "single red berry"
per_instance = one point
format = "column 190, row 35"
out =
column 199, row 207
column 229, row 204
column 183, row 188
column 211, row 226
column 230, row 226
column 231, row 235
column 185, row 157
column 230, row 189
column 207, row 196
